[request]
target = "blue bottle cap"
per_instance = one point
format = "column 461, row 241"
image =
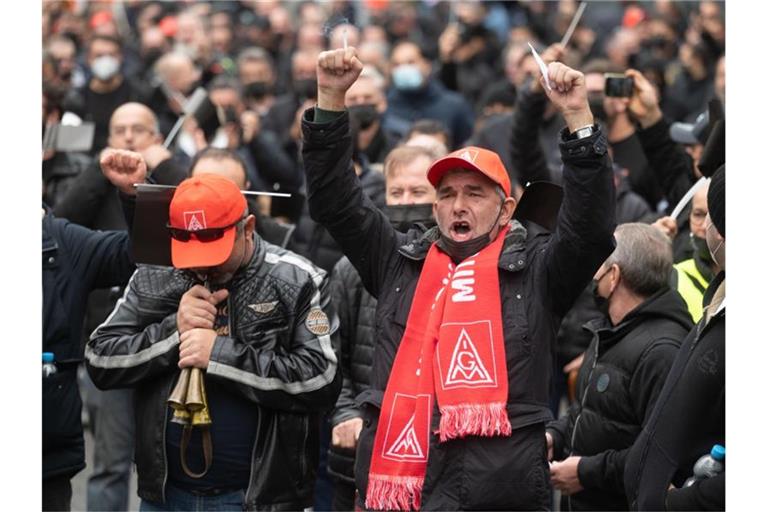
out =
column 718, row 452
column 47, row 357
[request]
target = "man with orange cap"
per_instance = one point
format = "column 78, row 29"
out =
column 467, row 311
column 256, row 319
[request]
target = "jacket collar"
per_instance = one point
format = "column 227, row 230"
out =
column 512, row 257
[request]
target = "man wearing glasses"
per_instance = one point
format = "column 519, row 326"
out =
column 256, row 319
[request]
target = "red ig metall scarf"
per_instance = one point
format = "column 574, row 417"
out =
column 453, row 351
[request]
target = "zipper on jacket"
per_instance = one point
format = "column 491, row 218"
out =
column 165, row 428
column 583, row 401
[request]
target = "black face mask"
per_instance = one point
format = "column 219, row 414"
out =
column 365, row 115
column 459, row 251
column 701, row 250
column 403, row 216
column 257, row 90
column 595, row 100
column 305, row 89
column 601, row 303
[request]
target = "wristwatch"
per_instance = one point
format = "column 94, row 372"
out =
column 582, row 133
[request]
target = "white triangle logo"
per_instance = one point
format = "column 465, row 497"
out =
column 466, row 366
column 195, row 220
column 407, row 446
column 194, row 224
column 469, row 156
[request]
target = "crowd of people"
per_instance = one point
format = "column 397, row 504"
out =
column 416, row 254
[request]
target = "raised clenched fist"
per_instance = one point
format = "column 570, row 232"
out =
column 337, row 70
column 123, row 168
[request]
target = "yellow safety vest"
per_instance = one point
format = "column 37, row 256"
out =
column 691, row 285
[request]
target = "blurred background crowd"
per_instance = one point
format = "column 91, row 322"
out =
column 170, row 79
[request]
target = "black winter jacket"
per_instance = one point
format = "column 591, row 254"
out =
column 357, row 331
column 622, row 374
column 688, row 419
column 314, row 242
column 75, row 261
column 540, row 274
column 273, row 359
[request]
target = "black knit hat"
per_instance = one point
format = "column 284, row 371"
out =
column 716, row 200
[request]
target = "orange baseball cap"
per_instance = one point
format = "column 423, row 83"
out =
column 206, row 202
column 473, row 158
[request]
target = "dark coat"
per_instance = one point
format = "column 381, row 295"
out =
column 357, row 332
column 540, row 274
column 688, row 419
column 60, row 172
column 75, row 261
column 622, row 374
column 314, row 242
column 436, row 102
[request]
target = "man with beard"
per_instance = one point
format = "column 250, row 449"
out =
column 409, row 198
column 467, row 311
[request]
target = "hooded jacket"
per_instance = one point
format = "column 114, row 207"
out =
column 540, row 274
column 622, row 374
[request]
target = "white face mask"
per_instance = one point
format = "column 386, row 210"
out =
column 106, row 67
column 716, row 250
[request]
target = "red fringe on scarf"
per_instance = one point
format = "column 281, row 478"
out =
column 387, row 492
column 484, row 419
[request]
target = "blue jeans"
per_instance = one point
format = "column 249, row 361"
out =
column 112, row 423
column 176, row 499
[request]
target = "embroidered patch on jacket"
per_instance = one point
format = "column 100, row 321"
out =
column 317, row 322
column 263, row 307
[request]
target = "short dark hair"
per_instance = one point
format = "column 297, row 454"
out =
column 429, row 127
column 218, row 154
column 225, row 82
column 104, row 37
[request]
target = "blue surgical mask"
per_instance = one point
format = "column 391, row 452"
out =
column 407, row 77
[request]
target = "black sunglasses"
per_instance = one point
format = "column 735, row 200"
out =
column 202, row 235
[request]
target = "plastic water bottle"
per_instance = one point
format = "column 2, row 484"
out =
column 708, row 465
column 49, row 367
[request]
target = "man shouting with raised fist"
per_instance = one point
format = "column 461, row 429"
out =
column 467, row 311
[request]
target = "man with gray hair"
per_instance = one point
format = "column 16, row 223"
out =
column 632, row 350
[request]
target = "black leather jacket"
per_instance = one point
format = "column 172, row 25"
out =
column 281, row 357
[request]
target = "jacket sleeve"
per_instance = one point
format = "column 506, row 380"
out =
column 133, row 344
column 337, row 201
column 346, row 296
column 671, row 165
column 559, row 429
column 101, row 258
column 84, row 197
column 526, row 154
column 300, row 377
column 583, row 237
column 707, row 494
column 605, row 470
column 273, row 163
